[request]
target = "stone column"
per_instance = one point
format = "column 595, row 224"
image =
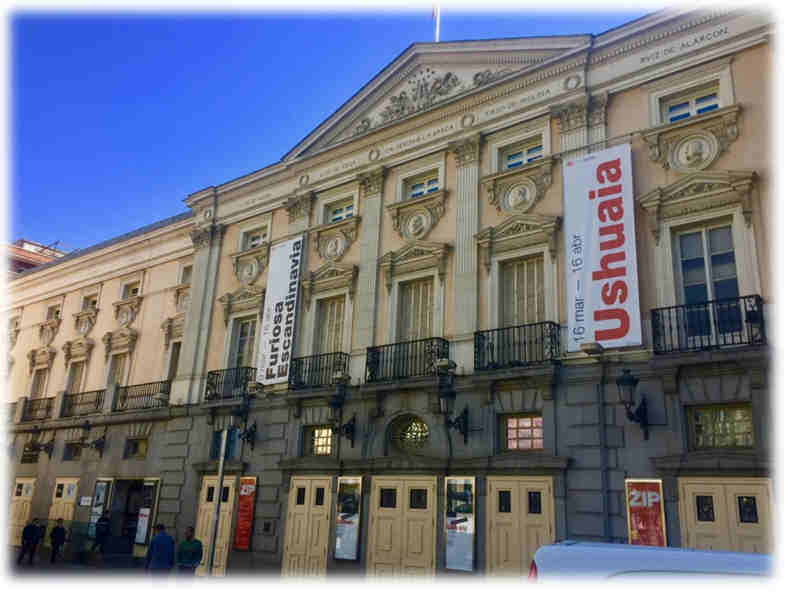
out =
column 371, row 192
column 467, row 222
column 188, row 383
column 582, row 125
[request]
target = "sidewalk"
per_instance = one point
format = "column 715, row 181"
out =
column 119, row 565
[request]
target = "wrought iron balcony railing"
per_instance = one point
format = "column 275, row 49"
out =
column 316, row 371
column 407, row 359
column 83, row 403
column 708, row 325
column 229, row 383
column 150, row 395
column 512, row 347
column 38, row 409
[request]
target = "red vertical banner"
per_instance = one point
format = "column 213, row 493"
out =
column 244, row 514
column 644, row 501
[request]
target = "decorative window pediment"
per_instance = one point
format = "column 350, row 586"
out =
column 414, row 218
column 244, row 299
column 85, row 320
column 77, row 349
column 173, row 328
column 40, row 358
column 181, row 293
column 126, row 310
column 516, row 191
column 518, row 231
column 121, row 341
column 249, row 265
column 332, row 240
column 693, row 144
column 330, row 276
column 48, row 330
column 699, row 192
column 415, row 256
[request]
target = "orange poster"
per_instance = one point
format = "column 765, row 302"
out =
column 245, row 512
column 644, row 500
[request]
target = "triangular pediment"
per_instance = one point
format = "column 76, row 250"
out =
column 331, row 270
column 516, row 232
column 415, row 250
column 519, row 224
column 427, row 75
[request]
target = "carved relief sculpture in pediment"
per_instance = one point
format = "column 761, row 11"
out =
column 300, row 206
column 516, row 191
column 173, row 328
column 249, row 265
column 122, row 340
column 331, row 241
column 415, row 256
column 78, row 349
column 85, row 320
column 245, row 298
column 518, row 231
column 48, row 330
column 693, row 144
column 40, row 358
column 330, row 276
column 414, row 218
column 126, row 310
column 697, row 192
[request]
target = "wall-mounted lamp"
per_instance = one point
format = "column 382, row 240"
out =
column 336, row 402
column 349, row 428
column 444, row 371
column 248, row 435
column 626, row 386
column 99, row 443
column 36, row 446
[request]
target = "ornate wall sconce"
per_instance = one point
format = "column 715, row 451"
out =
column 626, row 386
column 444, row 371
column 336, row 402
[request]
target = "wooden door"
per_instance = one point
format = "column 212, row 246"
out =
column 402, row 531
column 750, row 512
column 205, row 519
column 307, row 526
column 520, row 516
column 64, row 500
column 21, row 502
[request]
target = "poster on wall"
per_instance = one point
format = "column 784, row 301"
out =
column 349, row 496
column 600, row 250
column 244, row 513
column 459, row 524
column 100, row 494
column 143, row 518
column 644, row 500
column 278, row 328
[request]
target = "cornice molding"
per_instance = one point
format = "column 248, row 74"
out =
column 518, row 231
column 121, row 341
column 77, row 349
column 330, row 276
column 415, row 256
column 40, row 358
column 246, row 298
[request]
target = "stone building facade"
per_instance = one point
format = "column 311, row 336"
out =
column 431, row 208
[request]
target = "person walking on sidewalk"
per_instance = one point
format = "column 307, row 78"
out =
column 190, row 552
column 102, row 531
column 31, row 535
column 57, row 537
column 161, row 552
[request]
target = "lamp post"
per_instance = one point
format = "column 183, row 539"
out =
column 626, row 387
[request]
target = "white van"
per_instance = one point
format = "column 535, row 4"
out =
column 577, row 559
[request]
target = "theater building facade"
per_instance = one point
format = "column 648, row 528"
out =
column 383, row 317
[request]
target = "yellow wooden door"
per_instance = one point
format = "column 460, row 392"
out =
column 726, row 514
column 520, row 516
column 402, row 526
column 21, row 502
column 307, row 526
column 205, row 519
column 64, row 499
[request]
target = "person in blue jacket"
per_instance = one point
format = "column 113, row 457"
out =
column 161, row 551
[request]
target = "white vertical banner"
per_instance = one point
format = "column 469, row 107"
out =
column 278, row 328
column 600, row 250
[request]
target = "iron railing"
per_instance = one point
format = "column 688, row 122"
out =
column 229, row 383
column 83, row 403
column 316, row 371
column 407, row 359
column 150, row 395
column 38, row 409
column 708, row 325
column 512, row 347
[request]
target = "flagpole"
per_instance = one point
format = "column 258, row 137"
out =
column 437, row 10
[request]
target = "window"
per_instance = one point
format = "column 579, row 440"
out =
column 175, row 352
column 331, row 316
column 130, row 290
column 415, row 318
column 318, row 440
column 90, row 302
column 118, row 369
column 254, row 238
column 136, row 448
column 72, row 451
column 75, row 377
column 688, row 104
column 216, row 444
column 423, row 184
column 39, row 383
column 339, row 210
column 186, row 274
column 516, row 155
column 409, row 433
column 243, row 342
column 53, row 312
column 522, row 432
column 721, row 426
column 522, row 291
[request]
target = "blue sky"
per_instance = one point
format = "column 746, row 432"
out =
column 116, row 118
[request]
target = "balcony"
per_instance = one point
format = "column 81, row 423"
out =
column 316, row 371
column 86, row 403
column 38, row 409
column 229, row 383
column 716, row 324
column 407, row 359
column 150, row 395
column 514, row 347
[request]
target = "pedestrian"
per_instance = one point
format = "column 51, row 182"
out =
column 31, row 535
column 102, row 532
column 57, row 537
column 161, row 552
column 190, row 553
